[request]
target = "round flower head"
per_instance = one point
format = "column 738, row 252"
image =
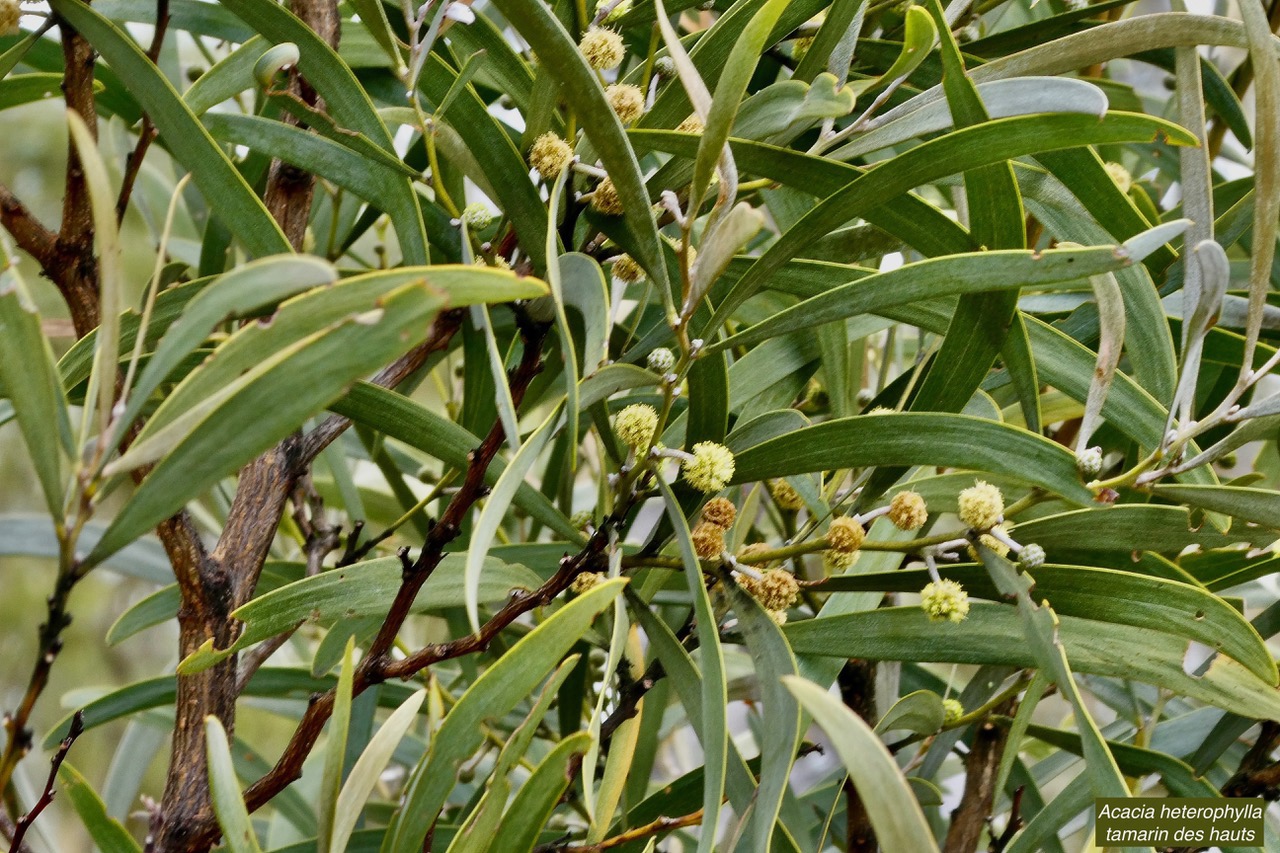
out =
column 945, row 600
column 661, row 360
column 776, row 590
column 585, row 582
column 785, row 495
column 550, row 155
column 778, row 616
column 625, row 269
column 635, row 426
column 664, row 66
column 1031, row 557
column 711, row 467
column 836, row 562
column 721, row 512
column 981, row 506
column 691, row 124
column 627, row 101
column 602, row 48
column 1121, row 176
column 477, row 216
column 845, row 535
column 606, row 199
column 619, row 9
column 708, row 540
column 991, row 543
column 1089, row 461
column 952, row 711
column 907, row 511
column 10, row 16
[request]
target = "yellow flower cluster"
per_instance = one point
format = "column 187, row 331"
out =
column 602, row 48
column 907, row 511
column 711, row 467
column 981, row 506
column 627, row 101
column 785, row 495
column 585, row 582
column 945, row 600
column 635, row 426
column 721, row 512
column 845, row 535
column 775, row 590
column 550, row 155
column 708, row 540
column 606, row 199
column 625, row 269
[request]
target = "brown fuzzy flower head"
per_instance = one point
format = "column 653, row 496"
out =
column 945, row 601
column 708, row 540
column 627, row 101
column 550, row 155
column 776, row 590
column 991, row 543
column 785, row 495
column 845, row 535
column 602, row 48
column 606, row 199
column 625, row 269
column 586, row 582
column 907, row 510
column 10, row 16
column 691, row 124
column 838, row 562
column 721, row 512
column 981, row 506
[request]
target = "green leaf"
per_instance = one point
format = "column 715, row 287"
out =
column 335, row 751
column 539, row 796
column 508, row 681
column 895, row 815
column 1105, row 595
column 920, row 711
column 535, row 21
column 240, row 293
column 993, row 634
column 916, row 438
column 918, row 35
column 935, row 277
column 30, row 380
column 401, row 418
column 780, row 712
column 714, row 729
column 495, row 510
column 961, row 150
column 205, row 443
column 1124, row 528
column 1258, row 506
column 107, row 833
column 734, row 77
column 356, row 591
column 368, row 767
column 224, row 188
column 228, row 77
column 228, row 802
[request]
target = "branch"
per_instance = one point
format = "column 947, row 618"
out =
column 972, row 815
column 147, row 135
column 660, row 825
column 857, row 682
column 24, row 823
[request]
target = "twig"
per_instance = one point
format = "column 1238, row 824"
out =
column 857, row 682
column 148, row 133
column 46, row 796
column 970, row 818
column 1001, row 841
column 659, row 825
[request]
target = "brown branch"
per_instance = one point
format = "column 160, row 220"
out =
column 655, row 827
column 1001, row 841
column 983, row 763
column 1258, row 775
column 46, row 796
column 857, row 682
column 28, row 232
column 148, row 133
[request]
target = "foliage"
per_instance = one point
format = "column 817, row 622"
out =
column 540, row 408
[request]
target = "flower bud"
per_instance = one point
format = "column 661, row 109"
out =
column 952, row 711
column 477, row 216
column 981, row 506
column 661, row 360
column 907, row 511
column 664, row 66
column 1031, row 557
column 1121, row 176
column 991, row 543
column 586, row 582
column 711, row 467
column 945, row 600
column 1089, row 461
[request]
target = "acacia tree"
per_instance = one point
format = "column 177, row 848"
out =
column 528, row 393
